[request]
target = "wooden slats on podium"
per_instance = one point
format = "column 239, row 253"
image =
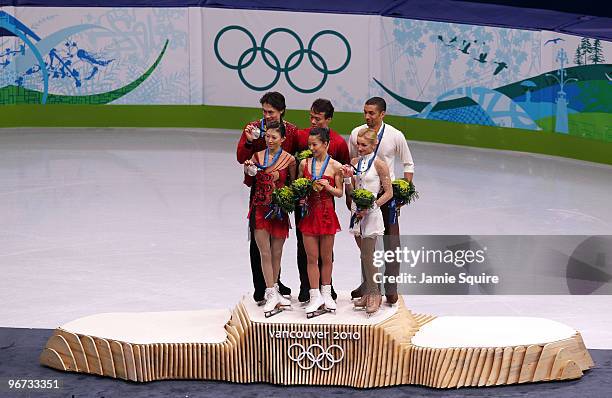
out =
column 383, row 356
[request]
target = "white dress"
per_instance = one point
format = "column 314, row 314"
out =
column 372, row 224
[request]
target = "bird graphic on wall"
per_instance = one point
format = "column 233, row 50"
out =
column 555, row 41
column 500, row 66
column 482, row 58
column 465, row 49
column 450, row 42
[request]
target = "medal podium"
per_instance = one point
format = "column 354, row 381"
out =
column 393, row 347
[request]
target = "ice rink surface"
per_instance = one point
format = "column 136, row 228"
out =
column 111, row 220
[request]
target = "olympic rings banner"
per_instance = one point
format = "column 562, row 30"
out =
column 183, row 56
column 498, row 77
column 303, row 55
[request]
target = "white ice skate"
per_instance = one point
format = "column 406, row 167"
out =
column 330, row 304
column 274, row 304
column 284, row 301
column 316, row 305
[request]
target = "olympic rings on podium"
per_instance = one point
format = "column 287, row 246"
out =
column 291, row 63
column 324, row 360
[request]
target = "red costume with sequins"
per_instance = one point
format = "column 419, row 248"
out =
column 244, row 149
column 321, row 218
column 262, row 196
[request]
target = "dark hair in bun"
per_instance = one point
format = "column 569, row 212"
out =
column 321, row 132
column 275, row 125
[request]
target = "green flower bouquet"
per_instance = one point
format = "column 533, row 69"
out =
column 282, row 203
column 404, row 192
column 364, row 200
column 301, row 189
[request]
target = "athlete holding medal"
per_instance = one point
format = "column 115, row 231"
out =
column 321, row 224
column 272, row 168
column 391, row 144
column 321, row 114
column 252, row 141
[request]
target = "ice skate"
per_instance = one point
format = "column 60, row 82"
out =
column 284, row 301
column 304, row 297
column 316, row 306
column 360, row 303
column 392, row 299
column 326, row 292
column 284, row 290
column 273, row 305
column 357, row 293
column 259, row 298
column 373, row 304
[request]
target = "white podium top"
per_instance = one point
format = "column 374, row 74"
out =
column 345, row 314
column 205, row 326
column 490, row 331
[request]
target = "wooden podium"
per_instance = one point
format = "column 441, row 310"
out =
column 393, row 347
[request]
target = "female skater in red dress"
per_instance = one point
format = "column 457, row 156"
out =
column 320, row 225
column 273, row 168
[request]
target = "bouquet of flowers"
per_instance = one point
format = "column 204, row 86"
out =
column 364, row 200
column 301, row 189
column 282, row 203
column 404, row 192
column 305, row 154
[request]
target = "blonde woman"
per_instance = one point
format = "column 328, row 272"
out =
column 368, row 172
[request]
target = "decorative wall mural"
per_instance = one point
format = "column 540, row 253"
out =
column 497, row 77
column 534, row 80
column 74, row 64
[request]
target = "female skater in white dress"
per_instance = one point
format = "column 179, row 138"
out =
column 369, row 173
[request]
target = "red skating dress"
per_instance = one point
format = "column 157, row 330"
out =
column 321, row 218
column 262, row 197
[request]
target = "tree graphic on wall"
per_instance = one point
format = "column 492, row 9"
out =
column 584, row 50
column 597, row 53
column 578, row 57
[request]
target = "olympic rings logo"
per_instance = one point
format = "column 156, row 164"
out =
column 307, row 358
column 291, row 63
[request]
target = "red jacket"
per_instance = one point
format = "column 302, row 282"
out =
column 245, row 151
column 338, row 148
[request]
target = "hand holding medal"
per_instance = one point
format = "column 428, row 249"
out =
column 320, row 185
column 316, row 186
column 254, row 132
column 249, row 168
column 318, row 179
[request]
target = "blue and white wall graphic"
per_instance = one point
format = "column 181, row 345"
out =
column 534, row 80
